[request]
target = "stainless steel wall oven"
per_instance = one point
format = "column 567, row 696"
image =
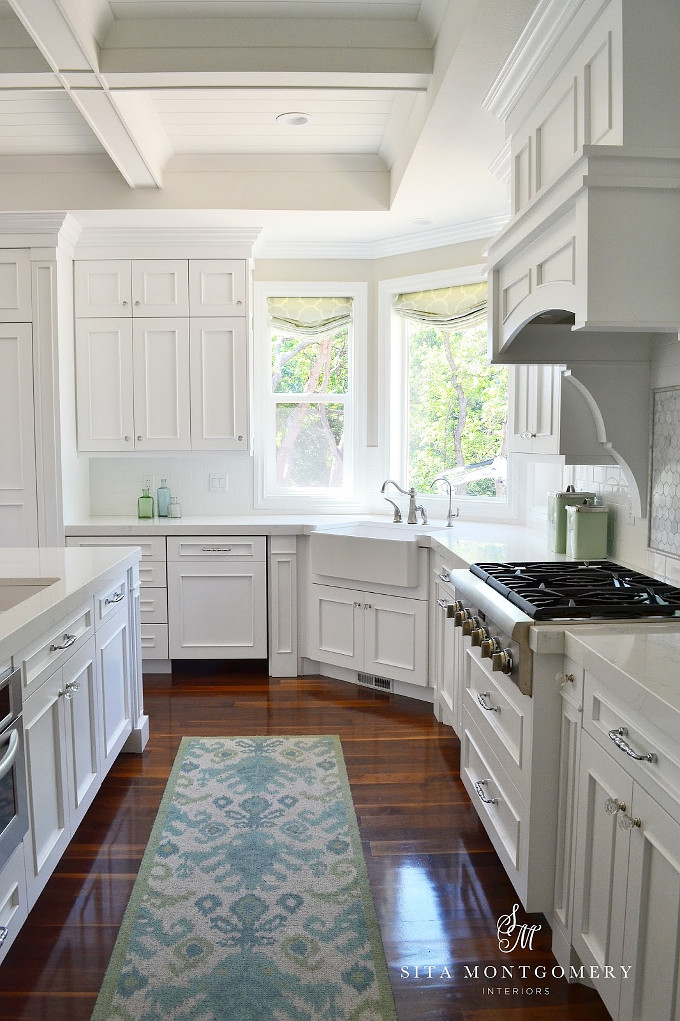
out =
column 13, row 794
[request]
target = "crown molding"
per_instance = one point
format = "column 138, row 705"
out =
column 500, row 167
column 402, row 244
column 138, row 241
column 39, row 229
column 542, row 31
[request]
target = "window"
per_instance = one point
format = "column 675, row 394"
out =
column 447, row 408
column 310, row 365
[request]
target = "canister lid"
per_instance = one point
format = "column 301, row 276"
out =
column 580, row 508
column 571, row 495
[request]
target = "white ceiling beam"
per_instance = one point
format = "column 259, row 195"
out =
column 214, row 52
column 66, row 37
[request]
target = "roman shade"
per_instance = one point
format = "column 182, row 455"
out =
column 309, row 316
column 454, row 308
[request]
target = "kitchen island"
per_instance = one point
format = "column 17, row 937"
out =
column 71, row 662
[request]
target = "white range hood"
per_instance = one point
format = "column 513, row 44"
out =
column 583, row 273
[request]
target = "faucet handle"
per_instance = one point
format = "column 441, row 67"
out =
column 396, row 517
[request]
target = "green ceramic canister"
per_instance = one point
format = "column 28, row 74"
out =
column 557, row 516
column 586, row 532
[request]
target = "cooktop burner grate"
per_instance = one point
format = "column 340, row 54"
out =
column 580, row 588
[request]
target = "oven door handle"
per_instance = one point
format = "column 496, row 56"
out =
column 8, row 758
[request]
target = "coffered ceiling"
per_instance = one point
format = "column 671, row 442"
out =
column 149, row 110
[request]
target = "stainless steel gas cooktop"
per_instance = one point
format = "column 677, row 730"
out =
column 592, row 589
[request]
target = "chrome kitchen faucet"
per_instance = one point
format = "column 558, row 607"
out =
column 411, row 493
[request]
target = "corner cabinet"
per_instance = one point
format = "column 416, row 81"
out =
column 161, row 355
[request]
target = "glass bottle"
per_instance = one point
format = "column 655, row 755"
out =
column 163, row 499
column 174, row 508
column 145, row 505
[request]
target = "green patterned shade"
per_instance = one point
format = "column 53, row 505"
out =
column 453, row 308
column 309, row 316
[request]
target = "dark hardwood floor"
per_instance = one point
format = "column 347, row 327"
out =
column 437, row 883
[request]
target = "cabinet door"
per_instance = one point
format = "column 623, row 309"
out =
column 161, row 374
column 601, row 867
column 570, row 745
column 113, row 679
column 217, row 287
column 15, row 286
column 160, row 287
column 103, row 288
column 81, row 711
column 336, row 626
column 651, row 944
column 535, row 409
column 18, row 496
column 219, row 384
column 104, row 384
column 217, row 610
column 47, row 782
column 396, row 638
column 443, row 647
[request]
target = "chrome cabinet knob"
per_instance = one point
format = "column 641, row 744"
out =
column 479, row 635
column 502, row 660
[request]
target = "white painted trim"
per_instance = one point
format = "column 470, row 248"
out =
column 543, row 30
column 354, row 500
column 501, row 166
column 403, row 244
column 141, row 242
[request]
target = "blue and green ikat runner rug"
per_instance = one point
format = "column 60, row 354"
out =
column 252, row 901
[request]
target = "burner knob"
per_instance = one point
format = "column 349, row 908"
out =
column 470, row 624
column 461, row 615
column 502, row 660
column 488, row 646
column 479, row 634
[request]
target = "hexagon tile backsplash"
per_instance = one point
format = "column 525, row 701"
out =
column 664, row 517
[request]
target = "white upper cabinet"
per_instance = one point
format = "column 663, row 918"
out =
column 219, row 397
column 217, row 287
column 15, row 286
column 535, row 404
column 104, row 384
column 18, row 497
column 160, row 287
column 133, row 384
column 103, row 288
column 160, row 350
column 142, row 287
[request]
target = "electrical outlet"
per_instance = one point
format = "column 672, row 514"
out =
column 149, row 483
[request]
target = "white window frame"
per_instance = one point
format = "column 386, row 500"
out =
column 393, row 400
column 268, row 495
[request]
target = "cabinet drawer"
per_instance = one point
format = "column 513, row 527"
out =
column 154, row 606
column 155, row 641
column 13, row 898
column 603, row 715
column 114, row 598
column 498, row 806
column 152, row 546
column 503, row 716
column 39, row 659
column 217, row 547
column 152, row 574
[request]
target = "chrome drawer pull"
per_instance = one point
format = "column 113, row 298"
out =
column 618, row 735
column 216, row 549
column 68, row 641
column 479, row 787
column 444, row 575
column 115, row 599
column 3, row 934
column 482, row 701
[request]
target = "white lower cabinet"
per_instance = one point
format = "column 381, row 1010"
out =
column 113, row 663
column 13, row 899
column 217, row 610
column 62, row 741
column 380, row 634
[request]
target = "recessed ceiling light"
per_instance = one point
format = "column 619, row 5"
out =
column 295, row 119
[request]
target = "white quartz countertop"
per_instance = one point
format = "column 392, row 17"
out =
column 75, row 574
column 642, row 668
column 470, row 541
